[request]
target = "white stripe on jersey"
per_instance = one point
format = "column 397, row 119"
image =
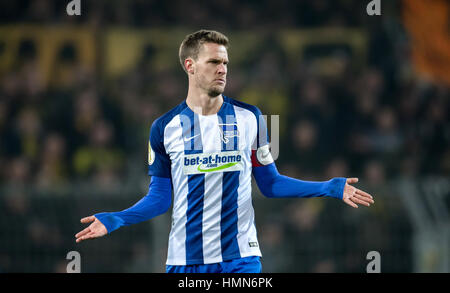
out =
column 212, row 207
column 246, row 227
column 212, row 250
column 173, row 141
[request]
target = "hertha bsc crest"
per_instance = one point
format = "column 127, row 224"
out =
column 228, row 131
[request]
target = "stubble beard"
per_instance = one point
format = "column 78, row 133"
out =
column 214, row 92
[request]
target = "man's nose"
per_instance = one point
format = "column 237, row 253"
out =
column 222, row 69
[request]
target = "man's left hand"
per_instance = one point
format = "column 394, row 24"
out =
column 353, row 196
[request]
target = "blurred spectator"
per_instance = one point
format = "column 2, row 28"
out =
column 100, row 160
column 87, row 112
column 274, row 243
column 53, row 168
column 140, row 259
column 305, row 147
column 385, row 138
column 19, row 172
column 28, row 132
column 375, row 173
column 337, row 167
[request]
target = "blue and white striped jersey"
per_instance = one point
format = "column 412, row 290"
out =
column 209, row 160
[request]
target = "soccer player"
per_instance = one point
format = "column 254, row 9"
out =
column 204, row 151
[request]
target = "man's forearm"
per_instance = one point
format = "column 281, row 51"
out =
column 156, row 202
column 273, row 184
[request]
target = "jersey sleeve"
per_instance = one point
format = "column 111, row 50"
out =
column 261, row 155
column 158, row 160
column 156, row 202
column 273, row 184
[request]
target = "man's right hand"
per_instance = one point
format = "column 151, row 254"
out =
column 95, row 230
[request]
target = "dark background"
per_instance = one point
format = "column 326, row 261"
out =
column 357, row 96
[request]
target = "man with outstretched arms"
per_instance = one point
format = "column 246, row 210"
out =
column 205, row 151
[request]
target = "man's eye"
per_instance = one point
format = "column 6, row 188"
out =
column 216, row 62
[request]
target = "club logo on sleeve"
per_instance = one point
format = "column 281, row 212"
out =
column 151, row 154
column 263, row 155
column 213, row 162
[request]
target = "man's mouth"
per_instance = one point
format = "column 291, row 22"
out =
column 220, row 80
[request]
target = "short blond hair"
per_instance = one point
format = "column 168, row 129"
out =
column 190, row 47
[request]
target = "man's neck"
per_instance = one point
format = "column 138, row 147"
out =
column 203, row 104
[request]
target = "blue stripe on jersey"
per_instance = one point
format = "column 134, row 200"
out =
column 196, row 189
column 194, row 219
column 229, row 219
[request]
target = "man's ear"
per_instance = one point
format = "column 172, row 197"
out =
column 189, row 65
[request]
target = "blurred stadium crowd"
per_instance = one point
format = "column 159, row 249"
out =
column 341, row 115
column 249, row 14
